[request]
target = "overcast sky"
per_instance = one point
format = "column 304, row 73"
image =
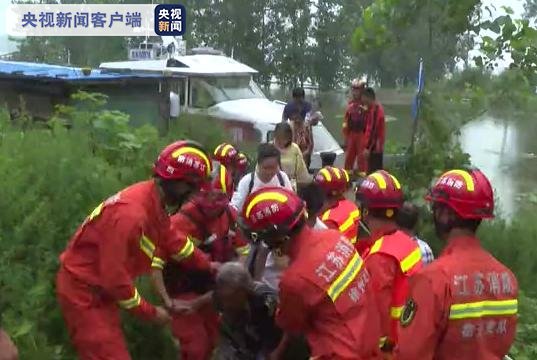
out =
column 517, row 6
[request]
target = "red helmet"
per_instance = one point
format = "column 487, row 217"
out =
column 380, row 190
column 467, row 192
column 332, row 180
column 271, row 211
column 242, row 163
column 223, row 181
column 183, row 160
column 225, row 154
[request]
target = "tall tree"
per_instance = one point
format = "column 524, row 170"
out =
column 400, row 32
column 292, row 44
column 328, row 51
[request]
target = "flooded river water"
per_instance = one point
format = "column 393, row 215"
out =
column 506, row 151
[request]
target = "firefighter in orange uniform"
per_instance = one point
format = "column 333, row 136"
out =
column 116, row 244
column 354, row 126
column 325, row 292
column 392, row 256
column 338, row 213
column 464, row 304
column 210, row 223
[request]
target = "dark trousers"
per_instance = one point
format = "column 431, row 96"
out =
column 375, row 161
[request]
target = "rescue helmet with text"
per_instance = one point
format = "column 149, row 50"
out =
column 467, row 192
column 225, row 154
column 272, row 215
column 332, row 180
column 380, row 192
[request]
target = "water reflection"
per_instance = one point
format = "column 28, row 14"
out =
column 494, row 147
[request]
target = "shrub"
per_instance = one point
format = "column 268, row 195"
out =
column 52, row 178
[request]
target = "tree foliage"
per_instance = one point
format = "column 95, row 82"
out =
column 395, row 33
column 515, row 36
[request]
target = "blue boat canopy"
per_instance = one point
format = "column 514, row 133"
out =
column 20, row 69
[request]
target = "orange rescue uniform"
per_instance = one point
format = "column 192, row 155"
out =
column 391, row 260
column 197, row 332
column 113, row 246
column 325, row 295
column 462, row 306
column 354, row 127
column 344, row 216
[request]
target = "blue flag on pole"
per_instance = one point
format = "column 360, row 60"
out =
column 420, row 81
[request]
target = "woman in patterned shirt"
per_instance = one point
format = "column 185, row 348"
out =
column 302, row 136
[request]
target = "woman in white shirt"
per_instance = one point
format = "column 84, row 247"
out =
column 267, row 173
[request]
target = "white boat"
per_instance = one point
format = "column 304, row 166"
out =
column 210, row 83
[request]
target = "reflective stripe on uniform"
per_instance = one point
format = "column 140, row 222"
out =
column 349, row 221
column 376, row 246
column 131, row 302
column 147, row 246
column 187, row 249
column 157, row 263
column 408, row 262
column 396, row 311
column 243, row 250
column 345, row 277
column 480, row 309
column 326, row 215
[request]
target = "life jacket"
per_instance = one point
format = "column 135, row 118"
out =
column 356, row 118
column 408, row 255
column 346, row 215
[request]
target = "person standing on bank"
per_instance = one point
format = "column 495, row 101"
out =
column 353, row 128
column 297, row 104
column 375, row 131
column 302, row 136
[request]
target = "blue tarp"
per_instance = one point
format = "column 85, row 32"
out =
column 68, row 74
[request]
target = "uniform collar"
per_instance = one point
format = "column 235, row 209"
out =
column 157, row 202
column 385, row 230
column 461, row 242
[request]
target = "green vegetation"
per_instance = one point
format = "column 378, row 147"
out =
column 53, row 177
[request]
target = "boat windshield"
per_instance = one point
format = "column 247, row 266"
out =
column 209, row 91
